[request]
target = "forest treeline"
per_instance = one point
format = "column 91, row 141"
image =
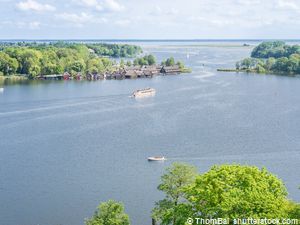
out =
column 272, row 57
column 34, row 58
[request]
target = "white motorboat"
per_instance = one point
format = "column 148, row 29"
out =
column 147, row 92
column 156, row 158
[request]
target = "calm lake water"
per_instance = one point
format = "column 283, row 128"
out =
column 67, row 146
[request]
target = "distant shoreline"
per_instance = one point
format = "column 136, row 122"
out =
column 143, row 40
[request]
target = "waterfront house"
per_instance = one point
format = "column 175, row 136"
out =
column 89, row 76
column 51, row 77
column 130, row 74
column 153, row 70
column 170, row 69
column 93, row 76
column 108, row 76
column 100, row 76
column 148, row 73
column 119, row 76
column 66, row 76
column 78, row 76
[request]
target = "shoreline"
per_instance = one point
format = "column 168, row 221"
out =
column 258, row 73
column 120, row 74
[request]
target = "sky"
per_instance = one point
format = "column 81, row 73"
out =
column 150, row 19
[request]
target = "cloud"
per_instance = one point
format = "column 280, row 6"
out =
column 123, row 23
column 92, row 4
column 286, row 4
column 103, row 5
column 34, row 25
column 34, row 6
column 158, row 11
column 79, row 19
column 113, row 5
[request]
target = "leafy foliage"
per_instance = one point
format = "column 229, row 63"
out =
column 145, row 60
column 173, row 209
column 34, row 59
column 276, row 49
column 271, row 57
column 226, row 191
column 24, row 60
column 235, row 191
column 109, row 213
column 101, row 49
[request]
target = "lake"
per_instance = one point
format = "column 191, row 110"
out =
column 66, row 146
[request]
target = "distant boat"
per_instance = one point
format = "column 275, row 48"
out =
column 1, row 90
column 147, row 92
column 188, row 56
column 156, row 158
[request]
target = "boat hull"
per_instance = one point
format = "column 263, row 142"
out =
column 148, row 92
column 156, row 159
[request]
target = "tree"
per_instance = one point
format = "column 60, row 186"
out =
column 136, row 62
column 180, row 65
column 77, row 66
column 172, row 209
column 29, row 61
column 294, row 210
column 122, row 63
column 270, row 63
column 146, row 60
column 170, row 61
column 128, row 63
column 8, row 65
column 109, row 213
column 268, row 49
column 151, row 60
column 50, row 63
column 235, row 191
column 281, row 65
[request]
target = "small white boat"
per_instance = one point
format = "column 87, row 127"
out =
column 1, row 90
column 147, row 92
column 157, row 158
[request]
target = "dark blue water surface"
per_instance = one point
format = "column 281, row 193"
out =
column 67, row 146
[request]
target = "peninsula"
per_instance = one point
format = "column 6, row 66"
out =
column 272, row 57
column 80, row 61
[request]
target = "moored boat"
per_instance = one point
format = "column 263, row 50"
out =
column 156, row 158
column 147, row 92
column 1, row 90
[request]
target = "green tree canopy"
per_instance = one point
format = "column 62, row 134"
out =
column 35, row 59
column 145, row 60
column 8, row 65
column 109, row 213
column 276, row 49
column 235, row 191
column 172, row 209
column 170, row 61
